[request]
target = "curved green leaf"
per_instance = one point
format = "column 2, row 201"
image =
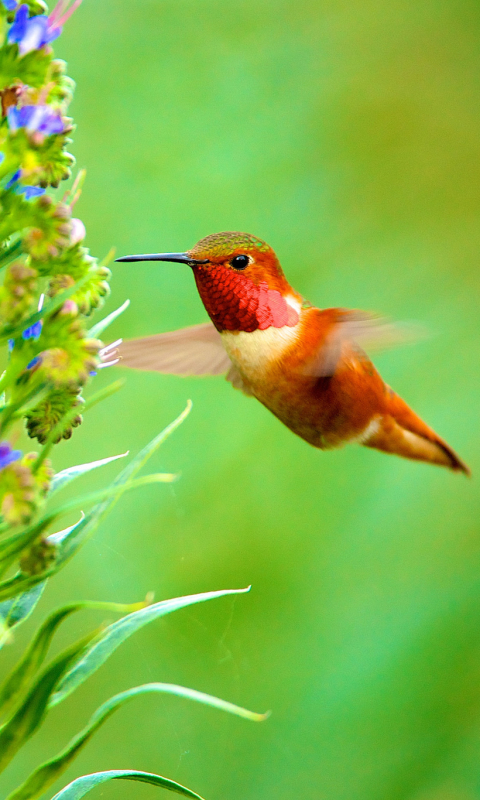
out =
column 13, row 545
column 18, row 680
column 113, row 636
column 29, row 716
column 79, row 787
column 48, row 772
column 98, row 329
column 79, row 533
column 63, row 478
column 86, row 527
column 27, row 589
column 16, row 610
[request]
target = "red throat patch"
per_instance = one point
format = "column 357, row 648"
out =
column 235, row 303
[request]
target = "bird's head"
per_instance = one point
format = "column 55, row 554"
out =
column 240, row 281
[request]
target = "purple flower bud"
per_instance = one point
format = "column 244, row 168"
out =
column 10, row 5
column 7, row 455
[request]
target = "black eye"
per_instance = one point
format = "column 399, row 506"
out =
column 240, row 262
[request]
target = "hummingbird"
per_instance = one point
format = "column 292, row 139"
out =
column 305, row 364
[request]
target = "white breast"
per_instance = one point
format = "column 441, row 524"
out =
column 255, row 349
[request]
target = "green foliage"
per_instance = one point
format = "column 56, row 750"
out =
column 51, row 286
column 47, row 773
column 81, row 786
column 32, row 69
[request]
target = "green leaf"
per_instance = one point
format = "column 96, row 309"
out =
column 13, row 545
column 48, row 772
column 19, row 679
column 30, row 69
column 16, row 610
column 18, row 585
column 64, row 477
column 86, row 527
column 27, row 589
column 10, row 253
column 113, row 636
column 96, row 331
column 75, row 536
column 81, row 786
column 29, row 716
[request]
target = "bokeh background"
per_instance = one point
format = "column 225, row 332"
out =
column 346, row 134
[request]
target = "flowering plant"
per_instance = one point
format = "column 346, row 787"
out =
column 51, row 287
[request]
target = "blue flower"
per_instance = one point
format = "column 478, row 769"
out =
column 10, row 5
column 33, row 363
column 33, row 332
column 28, row 191
column 7, row 455
column 35, row 119
column 32, row 33
column 31, row 191
column 14, row 179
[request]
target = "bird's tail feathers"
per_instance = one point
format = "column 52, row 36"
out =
column 402, row 432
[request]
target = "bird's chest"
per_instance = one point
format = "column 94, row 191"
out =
column 257, row 354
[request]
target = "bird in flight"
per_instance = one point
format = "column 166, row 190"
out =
column 305, row 364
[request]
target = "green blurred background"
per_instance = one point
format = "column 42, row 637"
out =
column 346, row 134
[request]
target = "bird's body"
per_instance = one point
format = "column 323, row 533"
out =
column 303, row 363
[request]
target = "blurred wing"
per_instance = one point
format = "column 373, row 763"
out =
column 362, row 331
column 197, row 350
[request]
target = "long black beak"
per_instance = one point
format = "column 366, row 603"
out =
column 179, row 258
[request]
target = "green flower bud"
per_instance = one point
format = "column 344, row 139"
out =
column 17, row 293
column 63, row 87
column 91, row 295
column 41, row 555
column 42, row 419
column 45, row 239
column 21, row 491
column 66, row 356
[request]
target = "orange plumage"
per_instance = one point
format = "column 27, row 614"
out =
column 303, row 363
